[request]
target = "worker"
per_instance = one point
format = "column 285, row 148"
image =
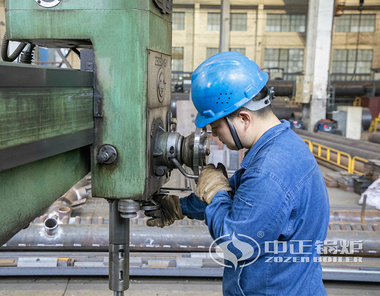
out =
column 277, row 199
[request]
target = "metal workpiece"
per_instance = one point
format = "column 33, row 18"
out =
column 97, row 233
column 196, row 149
column 60, row 211
column 179, row 237
column 118, row 250
column 51, row 226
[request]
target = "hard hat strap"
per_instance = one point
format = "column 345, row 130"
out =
column 258, row 105
column 234, row 134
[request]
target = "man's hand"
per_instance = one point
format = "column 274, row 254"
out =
column 210, row 181
column 169, row 211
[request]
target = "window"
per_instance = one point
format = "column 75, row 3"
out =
column 177, row 59
column 239, row 50
column 213, row 21
column 290, row 60
column 238, row 22
column 344, row 66
column 355, row 23
column 178, row 21
column 211, row 51
column 286, row 23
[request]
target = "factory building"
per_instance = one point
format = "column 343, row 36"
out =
column 190, row 147
column 274, row 33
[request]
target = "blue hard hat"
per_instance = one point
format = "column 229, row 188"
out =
column 224, row 83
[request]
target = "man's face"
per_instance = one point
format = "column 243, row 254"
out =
column 221, row 130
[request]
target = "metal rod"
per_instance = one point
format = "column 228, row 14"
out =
column 63, row 57
column 182, row 170
column 362, row 214
column 118, row 250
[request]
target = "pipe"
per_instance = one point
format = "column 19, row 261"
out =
column 345, row 148
column 61, row 209
column 342, row 88
column 355, row 88
column 51, row 225
column 4, row 50
column 176, row 238
column 374, row 138
column 372, row 147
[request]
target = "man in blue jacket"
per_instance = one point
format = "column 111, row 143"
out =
column 276, row 204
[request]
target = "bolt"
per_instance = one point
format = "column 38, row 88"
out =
column 160, row 171
column 102, row 157
column 208, row 151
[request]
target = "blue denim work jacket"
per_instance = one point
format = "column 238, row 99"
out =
column 279, row 198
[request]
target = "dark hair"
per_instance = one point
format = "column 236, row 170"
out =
column 262, row 112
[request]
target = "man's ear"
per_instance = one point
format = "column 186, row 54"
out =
column 246, row 117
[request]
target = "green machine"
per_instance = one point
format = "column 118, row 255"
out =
column 113, row 117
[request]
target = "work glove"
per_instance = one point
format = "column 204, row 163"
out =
column 210, row 181
column 169, row 211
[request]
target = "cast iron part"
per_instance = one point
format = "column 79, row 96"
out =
column 107, row 155
column 172, row 150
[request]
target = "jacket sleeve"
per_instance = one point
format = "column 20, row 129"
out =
column 260, row 209
column 192, row 207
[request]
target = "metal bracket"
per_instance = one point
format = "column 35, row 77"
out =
column 87, row 58
column 98, row 106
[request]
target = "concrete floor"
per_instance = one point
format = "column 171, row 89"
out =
column 340, row 199
column 98, row 286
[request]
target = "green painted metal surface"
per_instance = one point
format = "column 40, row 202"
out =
column 31, row 114
column 27, row 190
column 121, row 33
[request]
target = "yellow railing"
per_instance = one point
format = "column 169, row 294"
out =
column 358, row 101
column 374, row 124
column 335, row 157
column 352, row 168
column 309, row 144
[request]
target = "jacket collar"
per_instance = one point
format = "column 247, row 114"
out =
column 265, row 138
